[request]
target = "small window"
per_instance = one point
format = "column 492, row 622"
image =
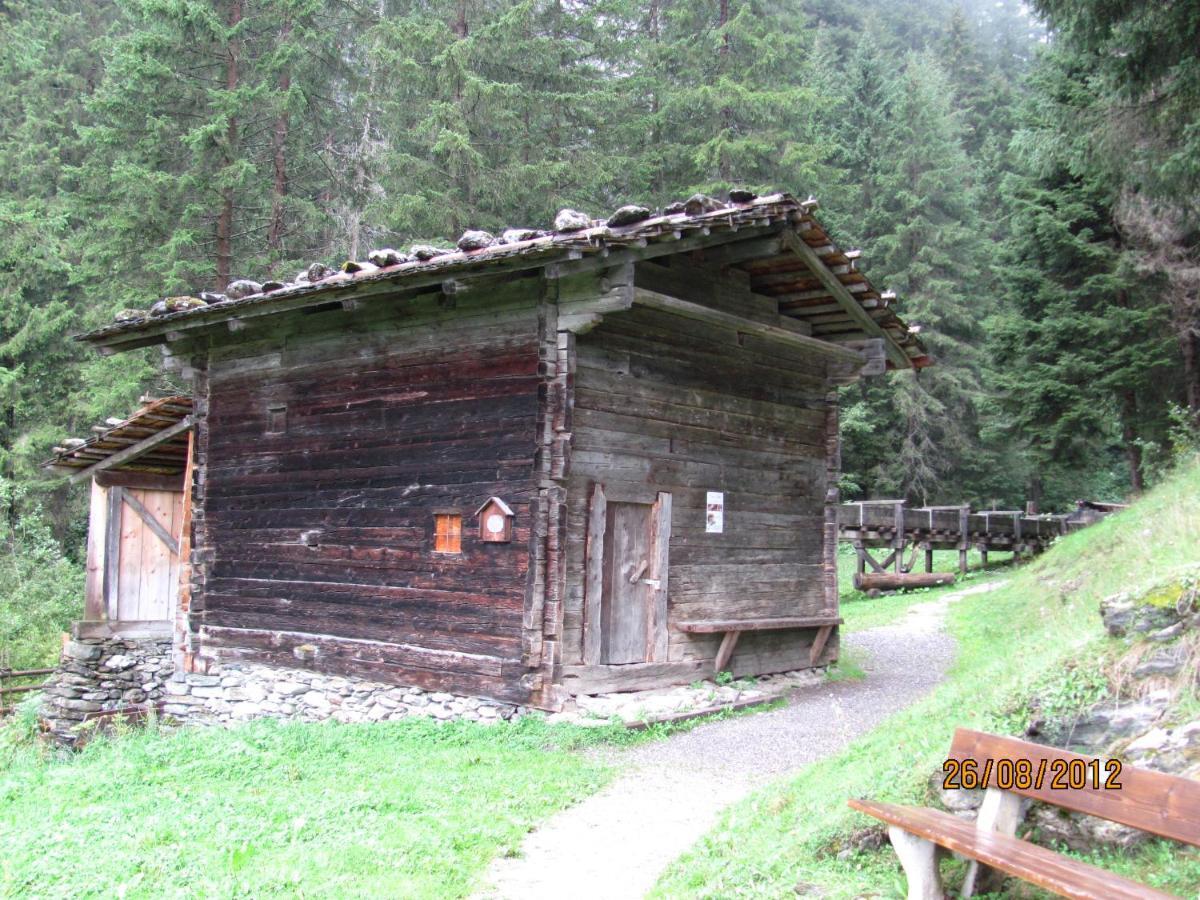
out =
column 447, row 533
column 276, row 418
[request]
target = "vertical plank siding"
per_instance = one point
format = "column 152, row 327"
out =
column 314, row 545
column 665, row 404
column 132, row 573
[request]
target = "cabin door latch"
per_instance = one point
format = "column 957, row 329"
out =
column 636, row 577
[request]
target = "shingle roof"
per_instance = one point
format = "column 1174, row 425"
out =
column 156, row 416
column 799, row 278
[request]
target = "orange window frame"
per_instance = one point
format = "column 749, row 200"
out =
column 447, row 533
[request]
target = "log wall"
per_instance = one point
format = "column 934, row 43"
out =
column 326, row 443
column 663, row 403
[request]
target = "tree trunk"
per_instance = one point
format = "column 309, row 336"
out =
column 1191, row 371
column 225, row 217
column 723, row 167
column 279, row 146
column 1133, row 453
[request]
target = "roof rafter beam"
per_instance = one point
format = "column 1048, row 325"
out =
column 133, row 451
column 690, row 310
column 895, row 353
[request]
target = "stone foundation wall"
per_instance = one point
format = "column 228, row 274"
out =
column 99, row 674
column 240, row 692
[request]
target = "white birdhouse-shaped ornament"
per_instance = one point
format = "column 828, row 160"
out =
column 495, row 521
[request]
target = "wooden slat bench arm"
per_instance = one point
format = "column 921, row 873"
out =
column 718, row 626
column 1029, row 862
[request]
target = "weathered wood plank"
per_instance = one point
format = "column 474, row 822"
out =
column 594, row 583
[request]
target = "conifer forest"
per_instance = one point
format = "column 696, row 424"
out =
column 1024, row 177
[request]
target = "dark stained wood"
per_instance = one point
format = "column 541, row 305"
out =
column 324, row 536
column 1037, row 865
column 1165, row 805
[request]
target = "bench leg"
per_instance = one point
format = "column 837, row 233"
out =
column 726, row 651
column 1000, row 812
column 919, row 858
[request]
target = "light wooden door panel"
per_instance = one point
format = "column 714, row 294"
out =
column 141, row 571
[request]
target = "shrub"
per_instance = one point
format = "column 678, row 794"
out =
column 40, row 590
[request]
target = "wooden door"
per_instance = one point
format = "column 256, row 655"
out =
column 627, row 591
column 626, row 620
column 133, row 554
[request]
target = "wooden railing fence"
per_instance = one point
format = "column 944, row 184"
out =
column 9, row 675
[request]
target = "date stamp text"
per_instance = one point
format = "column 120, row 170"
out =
column 1027, row 774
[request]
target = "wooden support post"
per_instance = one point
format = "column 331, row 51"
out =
column 819, row 641
column 728, row 643
column 928, row 558
column 898, row 539
column 1000, row 812
column 983, row 556
column 919, row 858
column 860, row 553
column 964, row 518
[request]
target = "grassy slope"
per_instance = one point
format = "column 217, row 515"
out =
column 412, row 809
column 1041, row 622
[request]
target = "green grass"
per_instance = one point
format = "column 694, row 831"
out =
column 861, row 612
column 397, row 809
column 1042, row 620
column 406, row 809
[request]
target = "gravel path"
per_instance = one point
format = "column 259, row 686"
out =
column 615, row 844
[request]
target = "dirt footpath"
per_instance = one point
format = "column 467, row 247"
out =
column 616, row 844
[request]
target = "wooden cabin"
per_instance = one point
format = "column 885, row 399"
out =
column 573, row 461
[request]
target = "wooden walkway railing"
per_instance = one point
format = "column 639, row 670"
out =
column 893, row 526
column 8, row 675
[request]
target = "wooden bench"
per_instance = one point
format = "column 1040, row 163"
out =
column 1163, row 805
column 733, row 628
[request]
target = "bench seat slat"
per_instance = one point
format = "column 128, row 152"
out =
column 1037, row 865
column 714, row 626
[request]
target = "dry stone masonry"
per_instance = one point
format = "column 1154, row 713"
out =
column 237, row 693
column 97, row 675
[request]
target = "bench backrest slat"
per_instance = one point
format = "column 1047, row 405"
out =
column 1165, row 805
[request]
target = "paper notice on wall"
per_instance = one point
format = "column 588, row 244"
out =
column 714, row 521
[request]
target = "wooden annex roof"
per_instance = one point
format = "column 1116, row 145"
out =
column 153, row 440
column 776, row 240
